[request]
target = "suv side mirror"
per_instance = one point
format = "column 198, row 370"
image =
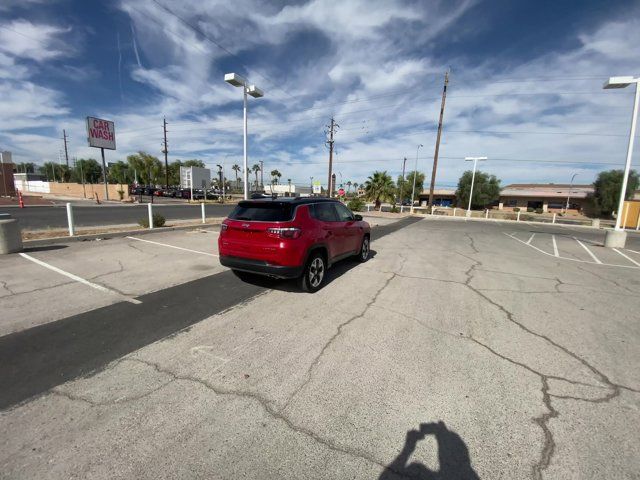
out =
column 358, row 218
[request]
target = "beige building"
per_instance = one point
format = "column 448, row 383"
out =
column 549, row 197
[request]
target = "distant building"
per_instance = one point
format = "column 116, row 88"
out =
column 442, row 197
column 549, row 197
column 286, row 190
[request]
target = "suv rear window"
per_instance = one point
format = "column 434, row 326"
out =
column 262, row 212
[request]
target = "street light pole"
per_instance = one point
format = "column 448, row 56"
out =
column 415, row 174
column 238, row 81
column 618, row 237
column 569, row 194
column 404, row 164
column 473, row 178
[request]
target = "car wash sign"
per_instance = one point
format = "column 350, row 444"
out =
column 101, row 133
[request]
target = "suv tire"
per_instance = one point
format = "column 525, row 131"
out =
column 365, row 249
column 314, row 273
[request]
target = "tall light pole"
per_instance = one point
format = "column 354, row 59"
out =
column 238, row 81
column 569, row 194
column 404, row 164
column 415, row 174
column 618, row 237
column 473, row 178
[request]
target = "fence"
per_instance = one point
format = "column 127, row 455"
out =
column 88, row 190
column 498, row 215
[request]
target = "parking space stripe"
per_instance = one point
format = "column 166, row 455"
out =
column 555, row 246
column 79, row 279
column 595, row 259
column 173, row 246
column 627, row 257
column 530, row 238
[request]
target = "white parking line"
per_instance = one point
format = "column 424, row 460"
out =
column 566, row 258
column 173, row 246
column 627, row 256
column 555, row 246
column 79, row 279
column 530, row 238
column 595, row 259
column 633, row 251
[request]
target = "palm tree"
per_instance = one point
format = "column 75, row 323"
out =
column 355, row 187
column 379, row 187
column 236, row 168
column 275, row 176
column 255, row 169
column 349, row 185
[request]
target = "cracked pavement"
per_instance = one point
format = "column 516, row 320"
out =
column 530, row 360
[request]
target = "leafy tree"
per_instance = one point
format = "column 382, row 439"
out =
column 23, row 167
column 379, row 187
column 174, row 172
column 193, row 163
column 275, row 177
column 486, row 190
column 607, row 187
column 255, row 169
column 54, row 172
column 148, row 167
column 120, row 173
column 88, row 169
column 236, row 168
column 406, row 187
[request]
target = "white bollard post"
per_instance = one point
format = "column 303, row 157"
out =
column 150, row 208
column 518, row 218
column 203, row 215
column 454, row 211
column 554, row 218
column 401, row 208
column 486, row 213
column 432, row 207
column 72, row 230
column 368, row 207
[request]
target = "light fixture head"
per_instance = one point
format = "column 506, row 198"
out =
column 235, row 79
column 618, row 82
column 255, row 92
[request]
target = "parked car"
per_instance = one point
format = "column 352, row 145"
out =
column 292, row 238
column 159, row 193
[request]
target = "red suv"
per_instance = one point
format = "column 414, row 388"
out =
column 292, row 238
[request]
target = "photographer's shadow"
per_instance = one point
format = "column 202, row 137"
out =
column 453, row 456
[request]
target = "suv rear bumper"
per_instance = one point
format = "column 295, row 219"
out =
column 260, row 267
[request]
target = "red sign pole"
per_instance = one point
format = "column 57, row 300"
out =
column 20, row 200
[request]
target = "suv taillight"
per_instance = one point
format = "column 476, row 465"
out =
column 288, row 232
column 223, row 227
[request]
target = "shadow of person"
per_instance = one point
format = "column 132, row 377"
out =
column 453, row 456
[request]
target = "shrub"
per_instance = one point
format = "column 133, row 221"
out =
column 516, row 209
column 121, row 194
column 538, row 210
column 158, row 221
column 355, row 205
column 530, row 209
column 394, row 209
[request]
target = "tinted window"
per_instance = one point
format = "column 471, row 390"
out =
column 344, row 214
column 324, row 212
column 262, row 212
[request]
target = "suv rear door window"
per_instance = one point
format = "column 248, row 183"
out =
column 344, row 214
column 325, row 212
column 262, row 212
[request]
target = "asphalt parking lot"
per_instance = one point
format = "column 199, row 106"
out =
column 461, row 349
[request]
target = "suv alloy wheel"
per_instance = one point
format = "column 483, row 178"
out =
column 314, row 273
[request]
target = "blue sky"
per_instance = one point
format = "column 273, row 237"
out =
column 525, row 87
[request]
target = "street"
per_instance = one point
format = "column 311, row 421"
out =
column 35, row 218
column 466, row 349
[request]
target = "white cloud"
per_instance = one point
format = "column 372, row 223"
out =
column 27, row 40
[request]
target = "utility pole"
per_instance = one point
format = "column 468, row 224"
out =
column 66, row 151
column 332, row 128
column 165, row 150
column 435, row 156
column 404, row 164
